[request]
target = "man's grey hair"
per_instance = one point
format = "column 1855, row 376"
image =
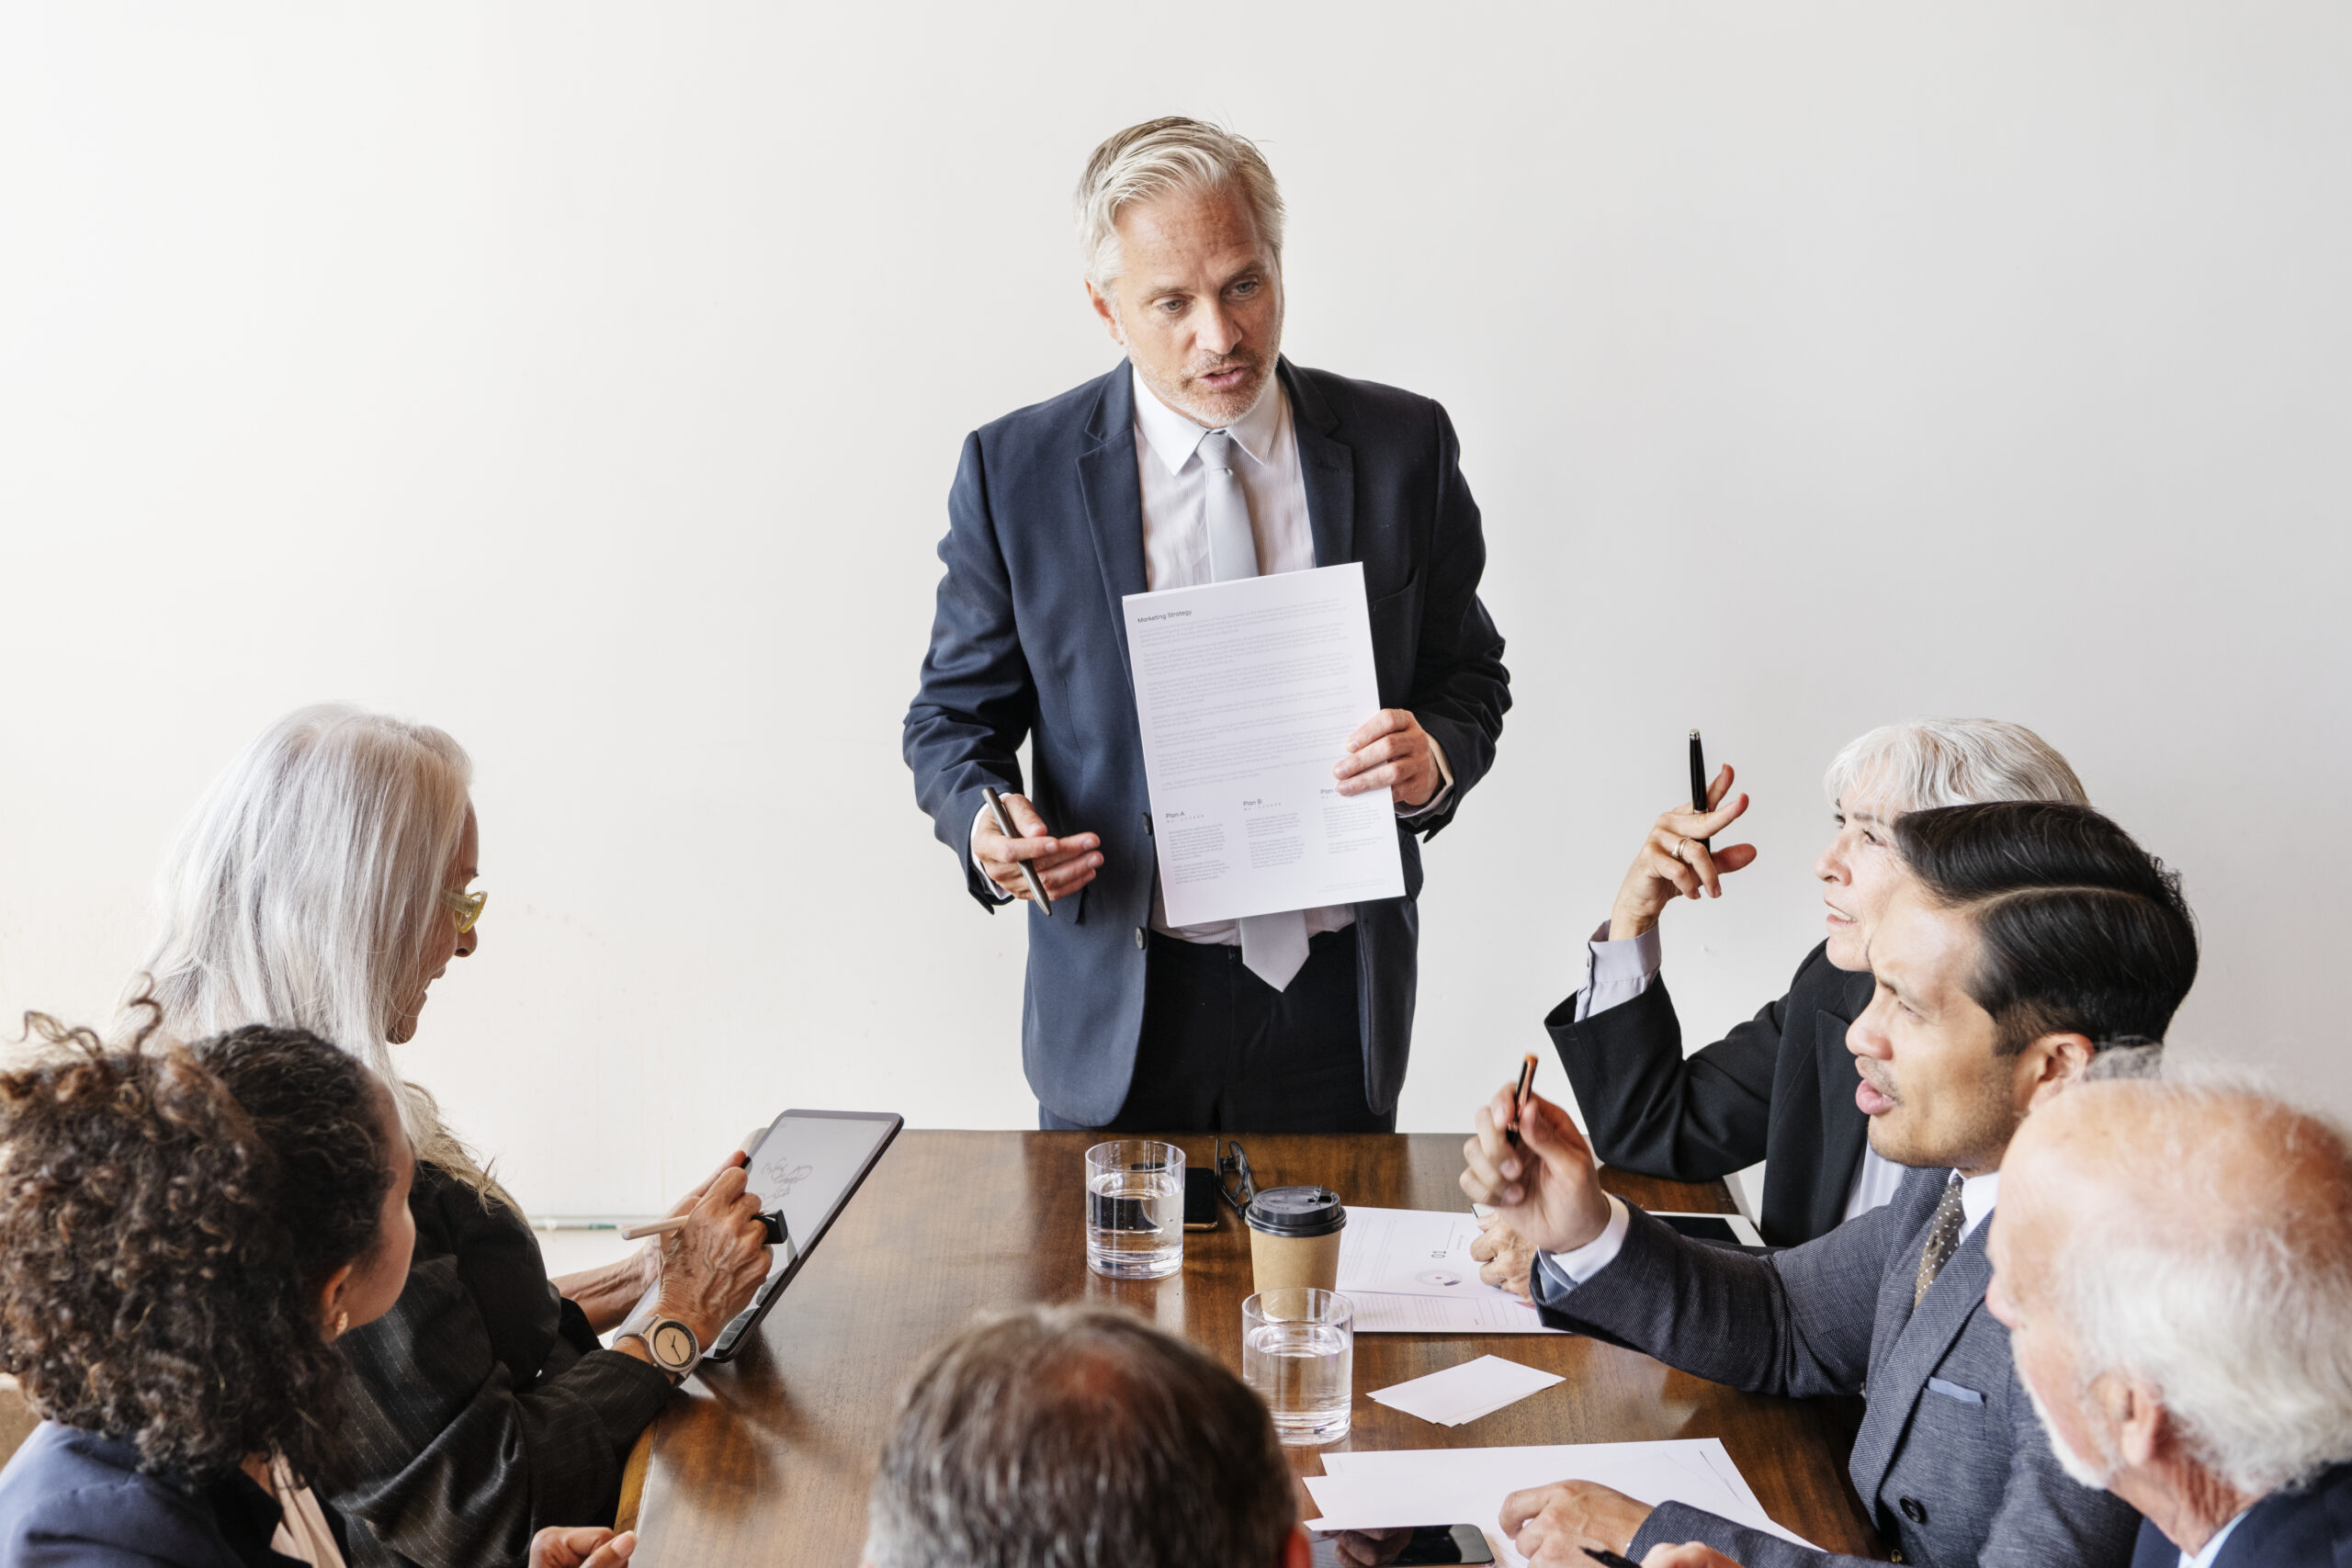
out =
column 2231, row 1297
column 1077, row 1437
column 1147, row 162
column 1922, row 764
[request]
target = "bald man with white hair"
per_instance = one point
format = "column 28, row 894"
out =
column 2174, row 1262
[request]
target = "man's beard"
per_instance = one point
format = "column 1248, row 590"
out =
column 2068, row 1459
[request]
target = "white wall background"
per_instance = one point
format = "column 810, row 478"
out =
column 587, row 378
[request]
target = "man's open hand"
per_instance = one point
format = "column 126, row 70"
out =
column 1065, row 865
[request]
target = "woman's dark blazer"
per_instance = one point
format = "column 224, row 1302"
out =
column 73, row 1499
column 1779, row 1087
column 485, row 1410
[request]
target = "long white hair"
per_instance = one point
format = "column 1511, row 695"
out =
column 301, row 890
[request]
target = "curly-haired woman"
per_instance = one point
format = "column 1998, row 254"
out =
column 185, row 1236
column 323, row 883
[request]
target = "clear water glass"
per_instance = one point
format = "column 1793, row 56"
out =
column 1298, row 1354
column 1135, row 1209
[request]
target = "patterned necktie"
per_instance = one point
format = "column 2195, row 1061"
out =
column 1943, row 1240
column 1273, row 947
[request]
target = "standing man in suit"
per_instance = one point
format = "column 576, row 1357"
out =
column 1779, row 1087
column 1203, row 455
column 2024, row 938
column 2173, row 1263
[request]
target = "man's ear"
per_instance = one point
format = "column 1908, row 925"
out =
column 2136, row 1415
column 1108, row 311
column 2055, row 1061
column 1297, row 1552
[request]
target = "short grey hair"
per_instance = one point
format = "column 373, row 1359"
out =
column 1922, row 764
column 1078, row 1436
column 2241, row 1322
column 1147, row 162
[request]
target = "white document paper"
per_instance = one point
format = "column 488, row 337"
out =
column 1498, row 1313
column 1413, row 1486
column 1463, row 1393
column 1411, row 1252
column 1246, row 693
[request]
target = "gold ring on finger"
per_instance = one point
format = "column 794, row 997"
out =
column 1679, row 845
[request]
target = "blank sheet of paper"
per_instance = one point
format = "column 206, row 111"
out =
column 1463, row 1393
column 1246, row 693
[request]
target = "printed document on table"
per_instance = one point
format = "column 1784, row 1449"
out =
column 1246, row 693
column 1411, row 1252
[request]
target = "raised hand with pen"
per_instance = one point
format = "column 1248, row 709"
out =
column 1675, row 861
column 1547, row 1189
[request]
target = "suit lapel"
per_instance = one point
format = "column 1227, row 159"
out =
column 1113, row 497
column 1909, row 1345
column 1326, row 465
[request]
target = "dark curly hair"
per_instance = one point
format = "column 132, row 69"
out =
column 166, row 1217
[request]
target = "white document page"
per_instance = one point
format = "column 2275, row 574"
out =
column 1499, row 1314
column 1411, row 1252
column 1462, row 1394
column 1246, row 693
column 1412, row 1486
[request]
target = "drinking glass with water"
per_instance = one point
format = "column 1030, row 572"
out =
column 1298, row 1354
column 1135, row 1209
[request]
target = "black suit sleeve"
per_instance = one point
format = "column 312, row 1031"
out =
column 1460, row 688
column 1652, row 1110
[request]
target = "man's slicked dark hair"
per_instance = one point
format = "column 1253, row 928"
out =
column 2083, row 931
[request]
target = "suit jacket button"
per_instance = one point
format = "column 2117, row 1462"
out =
column 1138, row 936
column 1914, row 1510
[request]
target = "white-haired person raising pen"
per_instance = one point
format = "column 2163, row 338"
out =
column 324, row 883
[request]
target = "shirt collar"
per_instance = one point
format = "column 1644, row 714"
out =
column 1174, row 437
column 2213, row 1548
column 1976, row 1195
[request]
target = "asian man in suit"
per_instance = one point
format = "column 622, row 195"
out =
column 2023, row 938
column 1203, row 455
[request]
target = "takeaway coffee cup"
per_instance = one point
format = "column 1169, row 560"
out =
column 1295, row 1238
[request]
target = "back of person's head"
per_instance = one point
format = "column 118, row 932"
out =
column 1158, row 158
column 2209, row 1254
column 1922, row 764
column 2081, row 930
column 1078, row 1436
column 302, row 889
column 162, row 1240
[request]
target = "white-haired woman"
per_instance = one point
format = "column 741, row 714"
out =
column 324, row 883
column 1780, row 1087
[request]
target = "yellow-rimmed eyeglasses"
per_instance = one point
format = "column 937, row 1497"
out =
column 465, row 907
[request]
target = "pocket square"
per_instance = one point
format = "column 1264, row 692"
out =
column 1953, row 1391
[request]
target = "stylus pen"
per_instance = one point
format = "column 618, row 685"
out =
column 1608, row 1558
column 1699, row 782
column 1004, row 826
column 1519, row 1098
column 773, row 1220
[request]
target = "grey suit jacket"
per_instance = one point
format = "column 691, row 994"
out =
column 1950, row 1458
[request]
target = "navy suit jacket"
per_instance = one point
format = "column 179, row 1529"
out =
column 1045, row 537
column 75, row 1499
column 2308, row 1528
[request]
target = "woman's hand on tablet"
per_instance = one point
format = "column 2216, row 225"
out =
column 712, row 1268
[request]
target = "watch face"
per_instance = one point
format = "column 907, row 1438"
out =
column 672, row 1344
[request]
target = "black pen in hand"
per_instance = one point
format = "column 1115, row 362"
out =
column 1004, row 826
column 1698, row 784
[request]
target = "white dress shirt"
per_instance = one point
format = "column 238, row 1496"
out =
column 1176, row 555
column 1571, row 1268
column 2213, row 1548
column 1617, row 971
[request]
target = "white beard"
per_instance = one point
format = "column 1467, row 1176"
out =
column 2068, row 1459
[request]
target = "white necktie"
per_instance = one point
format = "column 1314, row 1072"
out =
column 1273, row 946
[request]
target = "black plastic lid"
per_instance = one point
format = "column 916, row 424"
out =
column 1297, row 1211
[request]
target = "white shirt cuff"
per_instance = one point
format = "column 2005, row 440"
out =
column 1616, row 972
column 1445, row 786
column 972, row 852
column 1570, row 1270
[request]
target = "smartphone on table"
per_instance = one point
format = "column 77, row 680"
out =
column 1428, row 1544
column 1200, row 1198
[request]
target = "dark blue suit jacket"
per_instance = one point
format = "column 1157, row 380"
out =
column 1045, row 537
column 73, row 1499
column 2311, row 1528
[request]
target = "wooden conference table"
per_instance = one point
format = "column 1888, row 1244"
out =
column 766, row 1461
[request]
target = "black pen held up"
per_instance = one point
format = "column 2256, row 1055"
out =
column 1698, row 784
